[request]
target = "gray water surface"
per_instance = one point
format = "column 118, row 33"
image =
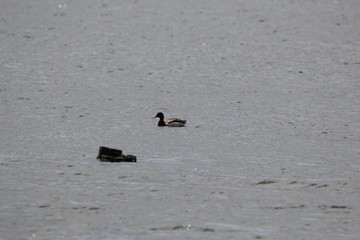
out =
column 270, row 90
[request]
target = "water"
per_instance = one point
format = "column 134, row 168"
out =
column 271, row 144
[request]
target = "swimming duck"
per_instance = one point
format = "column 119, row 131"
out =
column 171, row 122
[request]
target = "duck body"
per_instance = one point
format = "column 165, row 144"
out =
column 171, row 122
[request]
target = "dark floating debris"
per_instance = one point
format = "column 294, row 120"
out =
column 265, row 182
column 335, row 206
column 325, row 207
column 114, row 155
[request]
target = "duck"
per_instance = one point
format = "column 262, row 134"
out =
column 171, row 122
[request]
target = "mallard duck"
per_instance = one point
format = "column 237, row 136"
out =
column 171, row 122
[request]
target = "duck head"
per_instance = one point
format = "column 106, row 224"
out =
column 159, row 115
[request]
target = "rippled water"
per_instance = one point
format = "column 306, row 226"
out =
column 269, row 91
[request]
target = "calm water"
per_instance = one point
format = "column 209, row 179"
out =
column 269, row 151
